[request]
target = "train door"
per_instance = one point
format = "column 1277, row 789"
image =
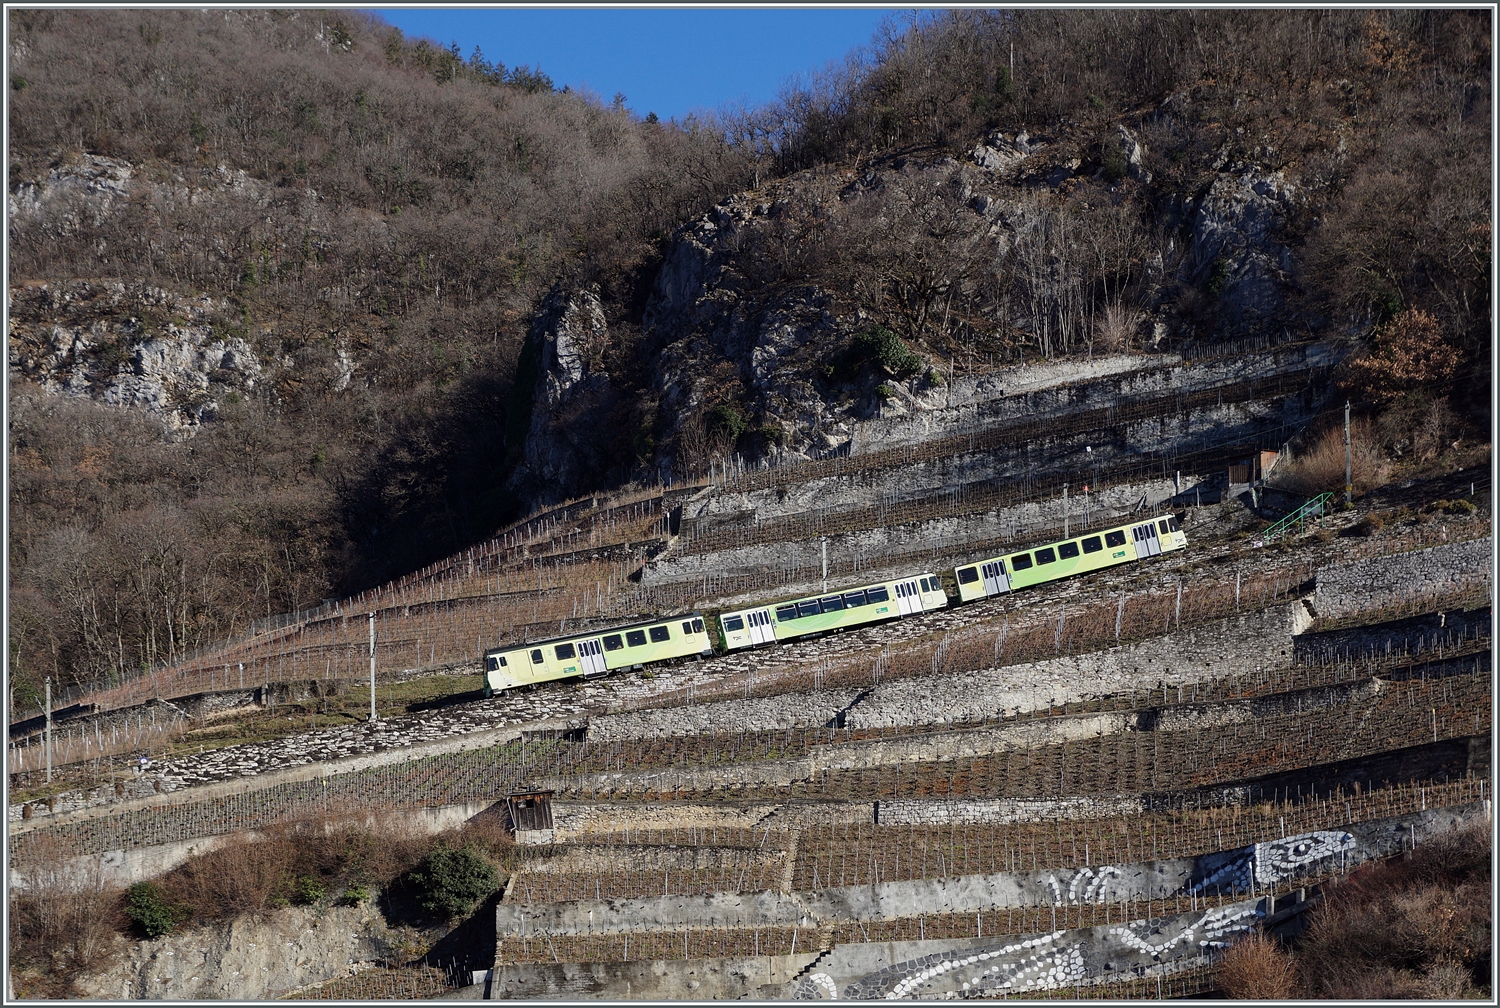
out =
column 1146, row 542
column 908, row 600
column 591, row 657
column 758, row 624
column 995, row 580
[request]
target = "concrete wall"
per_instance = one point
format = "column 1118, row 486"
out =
column 990, row 967
column 870, row 546
column 1053, row 389
column 1360, row 585
column 1240, row 644
column 661, row 980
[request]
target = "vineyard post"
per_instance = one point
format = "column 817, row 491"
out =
column 47, row 710
column 372, row 667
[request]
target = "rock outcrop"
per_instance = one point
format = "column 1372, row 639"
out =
column 572, row 399
column 130, row 345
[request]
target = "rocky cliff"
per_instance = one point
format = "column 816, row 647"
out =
column 785, row 317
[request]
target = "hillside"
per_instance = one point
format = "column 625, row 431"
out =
column 319, row 332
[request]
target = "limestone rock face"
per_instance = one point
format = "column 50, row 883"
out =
column 90, row 189
column 1000, row 153
column 572, row 399
column 1237, row 225
column 1133, row 155
column 247, row 959
column 93, row 338
column 137, row 343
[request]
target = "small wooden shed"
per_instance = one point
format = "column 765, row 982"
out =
column 1254, row 468
column 530, row 814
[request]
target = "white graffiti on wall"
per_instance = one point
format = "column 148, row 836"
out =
column 1086, row 886
column 1268, row 863
column 1043, row 967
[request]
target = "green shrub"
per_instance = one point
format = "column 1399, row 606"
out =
column 307, row 889
column 1459, row 507
column 884, row 348
column 1112, row 160
column 452, row 880
column 725, row 421
column 884, row 391
column 355, row 895
column 149, row 910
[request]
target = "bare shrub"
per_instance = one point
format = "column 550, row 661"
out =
column 1416, row 926
column 1255, row 968
column 294, row 863
column 1321, row 468
column 64, row 913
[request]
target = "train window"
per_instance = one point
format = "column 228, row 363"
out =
column 564, row 651
column 832, row 603
column 1172, row 525
column 687, row 627
column 494, row 663
column 808, row 608
column 1020, row 561
column 697, row 626
column 876, row 594
column 1092, row 545
column 1045, row 556
column 1115, row 538
column 661, row 633
column 1163, row 526
column 612, row 642
column 929, row 585
column 536, row 657
column 968, row 575
column 786, row 612
column 1067, row 550
column 733, row 623
column 636, row 638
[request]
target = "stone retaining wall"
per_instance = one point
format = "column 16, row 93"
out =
column 1235, row 646
column 805, row 710
column 1274, row 862
column 1375, row 582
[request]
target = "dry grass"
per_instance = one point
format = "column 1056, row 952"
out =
column 1321, row 467
column 1257, row 969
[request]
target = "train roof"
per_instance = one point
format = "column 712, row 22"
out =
column 925, row 572
column 575, row 635
column 1087, row 532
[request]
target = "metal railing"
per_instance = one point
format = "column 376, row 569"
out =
column 1315, row 508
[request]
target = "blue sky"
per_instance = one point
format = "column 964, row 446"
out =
column 668, row 61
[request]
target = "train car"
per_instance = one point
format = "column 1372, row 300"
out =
column 783, row 621
column 595, row 653
column 1066, row 557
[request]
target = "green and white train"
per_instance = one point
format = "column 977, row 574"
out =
column 870, row 603
column 604, row 651
column 1067, row 557
column 597, row 653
